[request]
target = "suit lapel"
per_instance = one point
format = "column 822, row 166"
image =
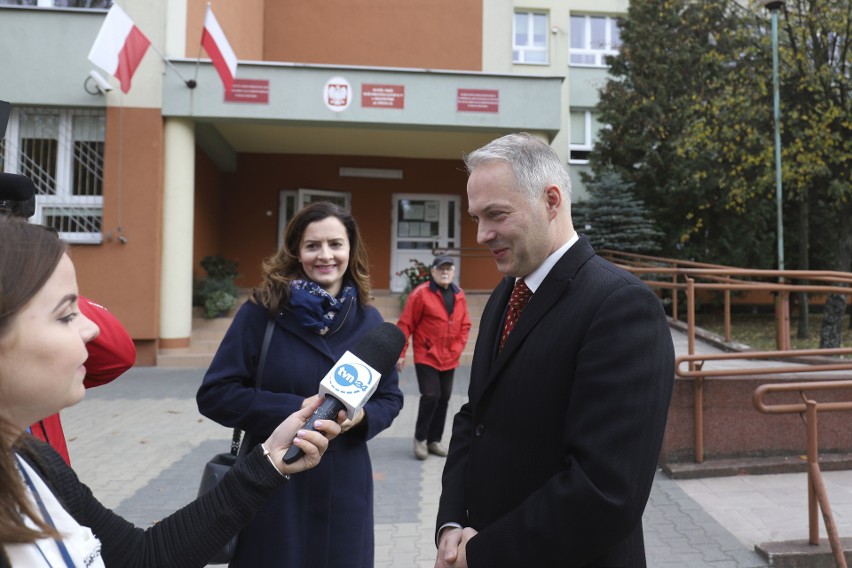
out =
column 554, row 287
column 490, row 327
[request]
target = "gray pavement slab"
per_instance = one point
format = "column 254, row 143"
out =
column 140, row 444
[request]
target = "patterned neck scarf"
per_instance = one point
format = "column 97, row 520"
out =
column 315, row 308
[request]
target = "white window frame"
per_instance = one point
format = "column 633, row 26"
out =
column 598, row 53
column 519, row 52
column 291, row 201
column 587, row 144
column 62, row 199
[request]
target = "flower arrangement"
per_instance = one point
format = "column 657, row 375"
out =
column 415, row 275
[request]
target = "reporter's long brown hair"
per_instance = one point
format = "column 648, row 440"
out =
column 283, row 267
column 28, row 257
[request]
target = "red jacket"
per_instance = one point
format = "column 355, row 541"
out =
column 110, row 354
column 439, row 338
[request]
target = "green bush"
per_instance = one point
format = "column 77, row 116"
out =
column 217, row 303
column 217, row 293
column 219, row 268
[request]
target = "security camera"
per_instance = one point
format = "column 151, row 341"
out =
column 100, row 81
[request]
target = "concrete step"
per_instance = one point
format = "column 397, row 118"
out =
column 183, row 358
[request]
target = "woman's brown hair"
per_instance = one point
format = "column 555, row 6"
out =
column 283, row 267
column 28, row 257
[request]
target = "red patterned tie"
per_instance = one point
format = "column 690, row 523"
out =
column 521, row 294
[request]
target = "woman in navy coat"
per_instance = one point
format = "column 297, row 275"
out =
column 316, row 289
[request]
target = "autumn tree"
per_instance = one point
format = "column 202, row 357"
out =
column 659, row 76
column 690, row 109
column 733, row 122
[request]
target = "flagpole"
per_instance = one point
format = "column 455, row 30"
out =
column 198, row 58
column 197, row 63
column 189, row 82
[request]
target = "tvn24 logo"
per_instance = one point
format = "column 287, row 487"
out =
column 352, row 378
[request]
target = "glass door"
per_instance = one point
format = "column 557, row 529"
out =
column 290, row 201
column 422, row 222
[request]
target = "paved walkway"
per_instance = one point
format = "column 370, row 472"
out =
column 141, row 444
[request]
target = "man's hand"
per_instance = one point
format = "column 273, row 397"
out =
column 452, row 549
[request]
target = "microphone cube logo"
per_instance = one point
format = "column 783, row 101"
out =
column 351, row 381
column 351, row 378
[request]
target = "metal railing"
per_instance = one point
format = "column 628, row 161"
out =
column 689, row 277
column 673, row 276
column 462, row 252
column 817, row 494
column 695, row 370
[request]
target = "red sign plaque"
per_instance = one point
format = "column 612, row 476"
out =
column 382, row 96
column 478, row 100
column 249, row 91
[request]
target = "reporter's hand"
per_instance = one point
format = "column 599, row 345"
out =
column 311, row 400
column 313, row 444
column 345, row 424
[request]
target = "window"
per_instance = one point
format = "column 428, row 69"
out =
column 62, row 151
column 584, row 128
column 592, row 39
column 530, row 38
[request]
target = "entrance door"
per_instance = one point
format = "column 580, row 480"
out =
column 289, row 202
column 422, row 222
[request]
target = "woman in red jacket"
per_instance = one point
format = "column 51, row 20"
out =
column 436, row 315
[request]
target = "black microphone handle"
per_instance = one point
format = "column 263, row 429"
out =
column 327, row 411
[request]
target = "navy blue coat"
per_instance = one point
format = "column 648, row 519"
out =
column 322, row 517
column 553, row 456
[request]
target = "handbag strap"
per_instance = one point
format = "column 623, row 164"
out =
column 267, row 338
column 258, row 379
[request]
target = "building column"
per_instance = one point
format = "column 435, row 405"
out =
column 178, row 207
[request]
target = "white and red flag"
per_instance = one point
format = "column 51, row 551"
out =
column 216, row 45
column 119, row 47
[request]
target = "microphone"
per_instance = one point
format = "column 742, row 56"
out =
column 355, row 377
column 17, row 195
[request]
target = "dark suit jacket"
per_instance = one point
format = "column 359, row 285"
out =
column 553, row 456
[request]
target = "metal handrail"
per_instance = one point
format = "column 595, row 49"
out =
column 695, row 370
column 727, row 279
column 462, row 252
column 817, row 494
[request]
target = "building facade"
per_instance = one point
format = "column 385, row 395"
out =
column 369, row 104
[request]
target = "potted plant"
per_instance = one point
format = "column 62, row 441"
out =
column 217, row 293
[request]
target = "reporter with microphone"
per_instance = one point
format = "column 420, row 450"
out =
column 50, row 517
column 326, row 341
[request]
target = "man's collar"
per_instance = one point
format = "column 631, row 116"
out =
column 534, row 279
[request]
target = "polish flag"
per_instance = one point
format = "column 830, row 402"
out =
column 119, row 47
column 216, row 45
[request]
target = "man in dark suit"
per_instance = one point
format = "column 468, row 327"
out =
column 552, row 458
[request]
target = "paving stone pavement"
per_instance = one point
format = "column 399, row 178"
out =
column 140, row 444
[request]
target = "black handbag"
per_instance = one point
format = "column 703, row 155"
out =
column 215, row 469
